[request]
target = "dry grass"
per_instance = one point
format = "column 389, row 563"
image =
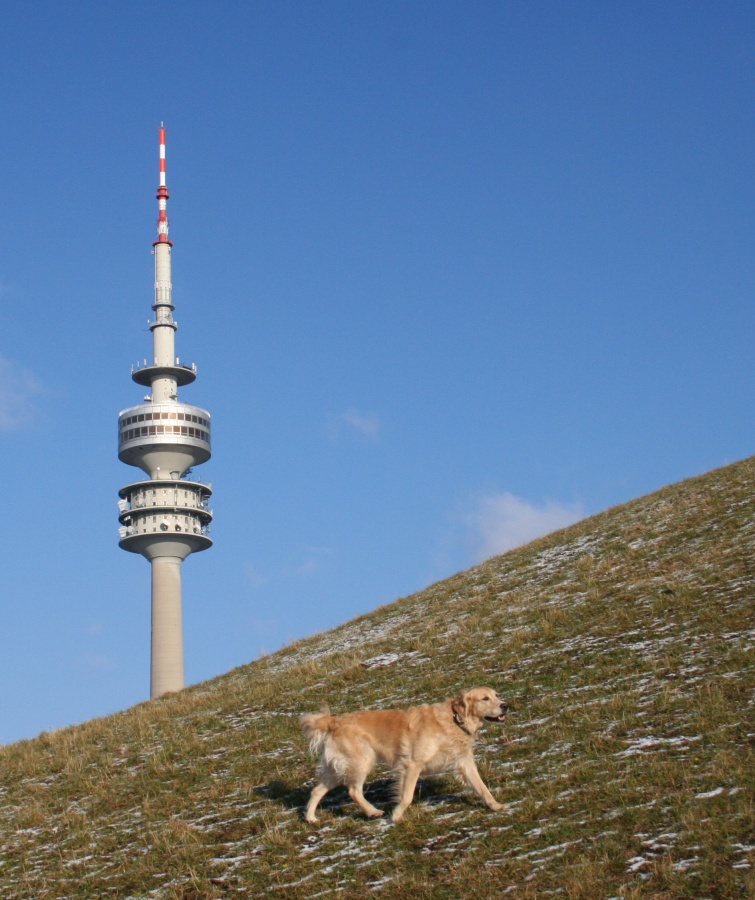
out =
column 625, row 646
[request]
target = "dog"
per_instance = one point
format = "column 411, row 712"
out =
column 430, row 738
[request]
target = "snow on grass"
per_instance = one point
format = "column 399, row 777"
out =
column 643, row 745
column 716, row 792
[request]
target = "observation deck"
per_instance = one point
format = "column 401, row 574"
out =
column 163, row 517
column 164, row 438
column 145, row 374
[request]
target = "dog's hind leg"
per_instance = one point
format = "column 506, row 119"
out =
column 328, row 780
column 406, row 785
column 372, row 812
column 356, row 779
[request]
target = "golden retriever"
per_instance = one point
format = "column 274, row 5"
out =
column 411, row 741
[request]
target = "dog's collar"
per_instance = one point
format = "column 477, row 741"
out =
column 457, row 720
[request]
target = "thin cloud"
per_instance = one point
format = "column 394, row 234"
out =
column 254, row 578
column 97, row 662
column 315, row 561
column 19, row 391
column 306, row 563
column 502, row 522
column 367, row 424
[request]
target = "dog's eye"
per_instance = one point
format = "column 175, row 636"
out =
column 485, row 698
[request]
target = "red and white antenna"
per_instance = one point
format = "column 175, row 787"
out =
column 162, row 197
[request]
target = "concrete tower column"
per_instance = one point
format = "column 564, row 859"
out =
column 167, row 630
column 164, row 327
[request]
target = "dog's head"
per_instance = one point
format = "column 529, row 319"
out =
column 473, row 708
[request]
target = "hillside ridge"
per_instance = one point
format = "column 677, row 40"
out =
column 624, row 645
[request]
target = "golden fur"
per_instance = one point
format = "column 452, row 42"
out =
column 411, row 741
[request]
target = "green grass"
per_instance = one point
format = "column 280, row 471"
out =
column 624, row 645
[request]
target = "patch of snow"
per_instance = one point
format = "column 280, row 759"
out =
column 716, row 792
column 651, row 743
column 662, row 842
column 684, row 865
column 385, row 659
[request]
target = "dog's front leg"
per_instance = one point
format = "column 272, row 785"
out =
column 469, row 774
column 407, row 783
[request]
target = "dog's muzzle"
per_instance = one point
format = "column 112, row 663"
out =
column 501, row 716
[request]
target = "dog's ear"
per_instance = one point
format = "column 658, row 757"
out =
column 459, row 706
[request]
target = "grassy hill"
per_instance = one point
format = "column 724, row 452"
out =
column 624, row 645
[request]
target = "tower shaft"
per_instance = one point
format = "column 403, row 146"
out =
column 167, row 665
column 164, row 388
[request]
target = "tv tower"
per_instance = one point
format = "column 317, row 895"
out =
column 166, row 517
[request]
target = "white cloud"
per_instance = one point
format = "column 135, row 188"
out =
column 367, row 424
column 19, row 390
column 503, row 521
column 315, row 560
column 97, row 662
column 306, row 562
column 254, row 578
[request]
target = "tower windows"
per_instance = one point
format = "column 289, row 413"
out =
column 147, row 430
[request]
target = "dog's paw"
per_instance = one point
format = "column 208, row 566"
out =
column 377, row 814
column 498, row 806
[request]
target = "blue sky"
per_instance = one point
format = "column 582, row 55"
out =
column 453, row 275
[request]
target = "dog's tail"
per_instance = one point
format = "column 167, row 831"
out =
column 316, row 727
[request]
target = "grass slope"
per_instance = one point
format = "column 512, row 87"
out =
column 625, row 646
